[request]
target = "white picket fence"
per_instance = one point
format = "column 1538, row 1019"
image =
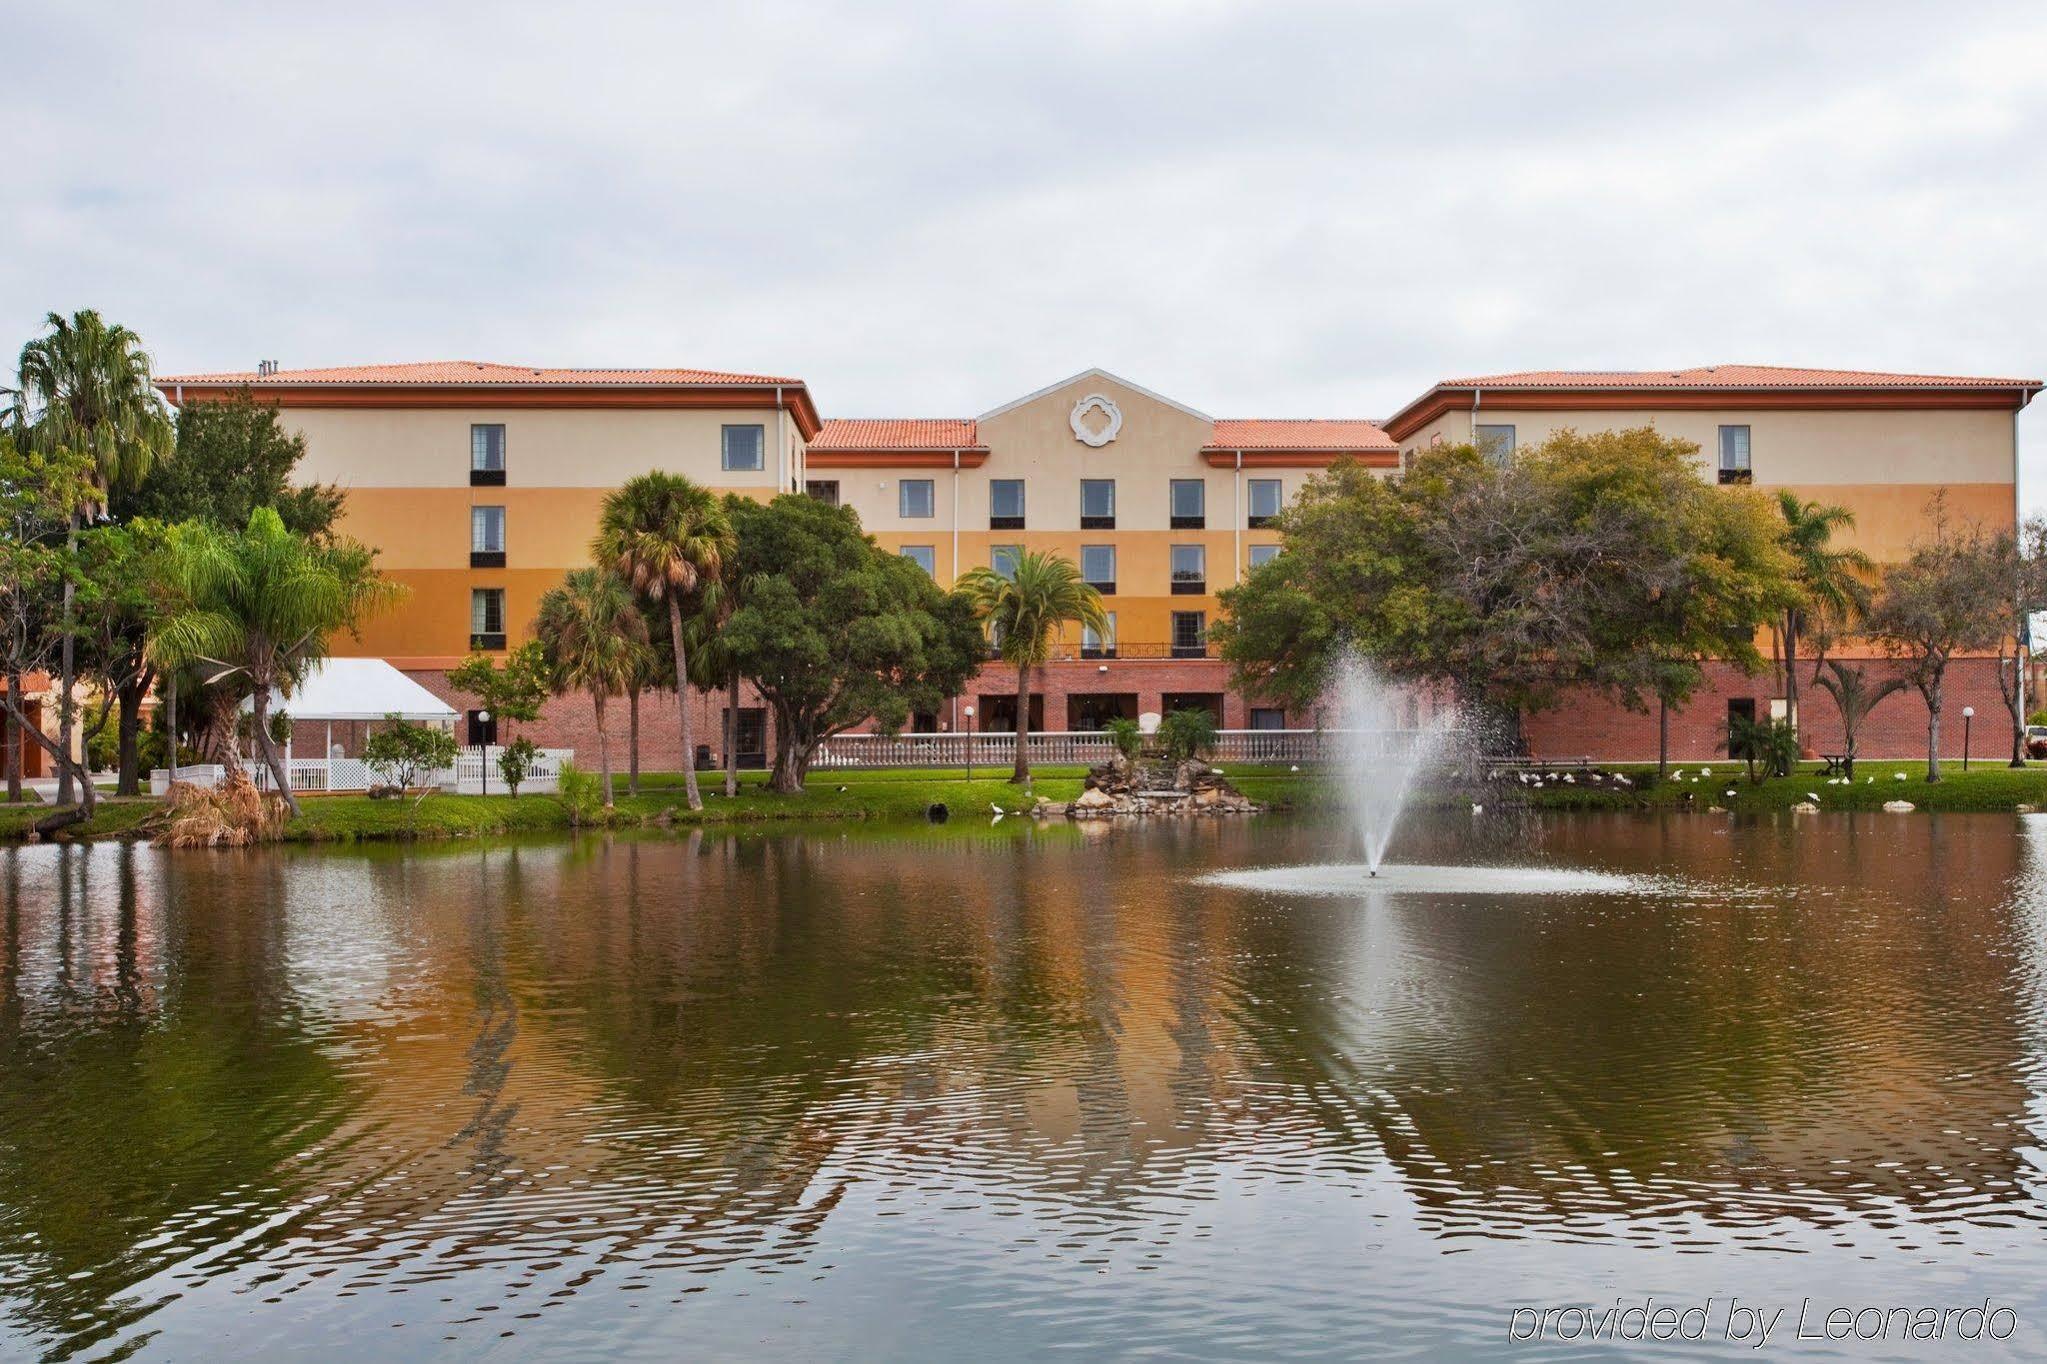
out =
column 475, row 772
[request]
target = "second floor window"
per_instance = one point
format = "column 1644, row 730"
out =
column 1190, row 634
column 923, row 556
column 914, row 498
column 1190, row 570
column 1495, row 442
column 825, row 490
column 1189, row 504
column 744, row 447
column 1261, row 555
column 1098, row 566
column 1098, row 504
column 487, row 618
column 1265, row 497
column 487, row 454
column 1002, row 558
column 1099, row 643
column 1005, row 504
column 486, row 529
column 1734, row 465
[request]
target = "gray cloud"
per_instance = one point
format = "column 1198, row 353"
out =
column 1263, row 209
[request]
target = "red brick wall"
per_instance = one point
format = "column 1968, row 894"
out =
column 1896, row 729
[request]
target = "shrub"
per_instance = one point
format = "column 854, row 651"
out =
column 583, row 793
column 1126, row 735
column 2038, row 717
column 515, row 762
column 404, row 754
column 1769, row 747
column 231, row 814
column 1187, row 734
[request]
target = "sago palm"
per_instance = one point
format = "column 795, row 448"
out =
column 595, row 640
column 666, row 536
column 261, row 607
column 1025, row 611
column 1833, row 583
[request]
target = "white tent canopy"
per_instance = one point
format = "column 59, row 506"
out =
column 360, row 689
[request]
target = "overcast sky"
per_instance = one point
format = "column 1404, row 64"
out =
column 1260, row 209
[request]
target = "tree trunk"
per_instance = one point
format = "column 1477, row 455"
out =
column 732, row 735
column 2014, row 701
column 67, row 679
column 1791, row 668
column 62, row 815
column 129, row 732
column 632, row 741
column 13, row 742
column 1662, row 738
column 682, row 690
column 1022, row 773
column 603, row 747
column 1933, row 733
column 170, row 699
column 278, row 774
column 787, row 778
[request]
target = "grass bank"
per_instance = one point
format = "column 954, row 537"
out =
column 1985, row 787
column 905, row 794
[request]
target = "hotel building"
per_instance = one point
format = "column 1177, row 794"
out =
column 480, row 485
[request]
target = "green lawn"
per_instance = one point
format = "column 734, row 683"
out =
column 1987, row 786
column 904, row 794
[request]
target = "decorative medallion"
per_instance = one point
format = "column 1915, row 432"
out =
column 1112, row 420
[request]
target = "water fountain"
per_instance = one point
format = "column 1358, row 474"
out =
column 1381, row 747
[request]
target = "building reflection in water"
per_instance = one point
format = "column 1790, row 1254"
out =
column 534, row 1072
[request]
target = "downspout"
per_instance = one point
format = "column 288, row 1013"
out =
column 785, row 466
column 1237, row 524
column 2021, row 653
column 1473, row 433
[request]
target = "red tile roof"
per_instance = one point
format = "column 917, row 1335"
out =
column 1728, row 376
column 1762, row 385
column 468, row 373
column 898, row 433
column 1286, row 433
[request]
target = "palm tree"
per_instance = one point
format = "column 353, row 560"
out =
column 85, row 387
column 1025, row 611
column 262, row 605
column 711, row 665
column 1832, row 582
column 594, row 638
column 665, row 536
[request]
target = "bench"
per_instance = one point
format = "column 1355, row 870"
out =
column 1837, row 764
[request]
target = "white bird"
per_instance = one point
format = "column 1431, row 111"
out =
column 1571, row 779
column 1813, row 796
column 1705, row 771
column 1897, row 776
column 1477, row 809
column 996, row 808
column 1295, row 768
column 1728, row 792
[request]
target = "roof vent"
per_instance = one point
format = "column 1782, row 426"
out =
column 265, row 368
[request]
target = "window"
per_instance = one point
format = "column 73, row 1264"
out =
column 744, row 446
column 1261, row 555
column 1189, row 504
column 1495, row 442
column 1265, row 501
column 1099, row 643
column 913, row 498
column 1002, row 558
column 825, row 490
column 1190, row 570
column 1098, row 504
column 1098, row 567
column 487, row 618
column 923, row 557
column 486, row 537
column 487, row 455
column 1734, row 466
column 1190, row 634
column 1267, row 717
column 1005, row 504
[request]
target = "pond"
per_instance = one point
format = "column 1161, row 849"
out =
column 997, row 1092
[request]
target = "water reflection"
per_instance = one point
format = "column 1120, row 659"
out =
column 998, row 1090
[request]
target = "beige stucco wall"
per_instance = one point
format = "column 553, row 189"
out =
column 544, row 448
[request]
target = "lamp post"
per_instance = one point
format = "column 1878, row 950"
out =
column 970, row 743
column 483, row 718
column 1968, row 718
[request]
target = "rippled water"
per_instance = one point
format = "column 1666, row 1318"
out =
column 998, row 1092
